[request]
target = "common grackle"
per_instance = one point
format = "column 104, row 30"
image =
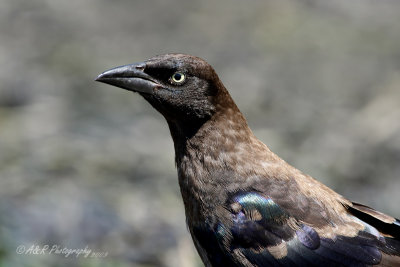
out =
column 244, row 205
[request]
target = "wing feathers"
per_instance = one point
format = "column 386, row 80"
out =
column 262, row 233
column 385, row 224
column 374, row 213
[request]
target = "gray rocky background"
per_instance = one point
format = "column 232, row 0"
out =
column 85, row 164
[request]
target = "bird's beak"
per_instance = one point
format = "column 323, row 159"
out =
column 130, row 77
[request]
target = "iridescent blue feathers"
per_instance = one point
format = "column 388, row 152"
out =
column 266, row 235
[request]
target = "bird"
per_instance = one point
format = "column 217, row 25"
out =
column 244, row 205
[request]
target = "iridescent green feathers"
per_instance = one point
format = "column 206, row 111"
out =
column 263, row 234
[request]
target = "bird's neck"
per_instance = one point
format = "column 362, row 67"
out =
column 209, row 159
column 210, row 137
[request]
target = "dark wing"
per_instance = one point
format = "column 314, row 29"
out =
column 260, row 233
column 384, row 223
column 388, row 227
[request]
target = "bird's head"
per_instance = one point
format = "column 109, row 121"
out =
column 183, row 88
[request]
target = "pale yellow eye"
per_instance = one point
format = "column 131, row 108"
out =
column 178, row 77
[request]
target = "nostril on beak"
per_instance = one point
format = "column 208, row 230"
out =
column 140, row 66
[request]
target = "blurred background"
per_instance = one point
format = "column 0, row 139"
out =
column 85, row 164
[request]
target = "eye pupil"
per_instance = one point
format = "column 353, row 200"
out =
column 178, row 77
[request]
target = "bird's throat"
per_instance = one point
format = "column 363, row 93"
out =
column 203, row 158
